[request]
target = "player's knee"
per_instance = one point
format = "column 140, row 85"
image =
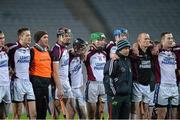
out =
column 33, row 115
column 18, row 113
column 135, row 107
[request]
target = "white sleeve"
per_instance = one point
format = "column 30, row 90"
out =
column 113, row 49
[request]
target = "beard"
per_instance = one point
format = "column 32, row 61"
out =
column 99, row 48
column 66, row 43
column 77, row 53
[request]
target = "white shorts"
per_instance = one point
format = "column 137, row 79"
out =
column 5, row 95
column 151, row 101
column 78, row 94
column 163, row 92
column 94, row 90
column 140, row 93
column 22, row 89
column 67, row 90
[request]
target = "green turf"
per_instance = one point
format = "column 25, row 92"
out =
column 24, row 116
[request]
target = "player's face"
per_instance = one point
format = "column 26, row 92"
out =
column 123, row 36
column 80, row 50
column 145, row 40
column 25, row 37
column 99, row 43
column 44, row 40
column 104, row 41
column 65, row 39
column 2, row 40
column 168, row 40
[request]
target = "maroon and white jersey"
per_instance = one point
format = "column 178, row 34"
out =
column 95, row 63
column 165, row 66
column 176, row 50
column 19, row 59
column 4, row 71
column 110, row 48
column 76, row 72
column 60, row 55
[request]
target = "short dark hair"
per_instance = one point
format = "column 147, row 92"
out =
column 1, row 32
column 164, row 33
column 156, row 42
column 63, row 31
column 21, row 30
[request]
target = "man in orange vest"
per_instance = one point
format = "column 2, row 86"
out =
column 40, row 73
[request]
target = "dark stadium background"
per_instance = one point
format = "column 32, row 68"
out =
column 86, row 16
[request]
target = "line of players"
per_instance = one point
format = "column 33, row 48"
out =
column 30, row 71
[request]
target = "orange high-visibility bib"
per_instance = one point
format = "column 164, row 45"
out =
column 41, row 64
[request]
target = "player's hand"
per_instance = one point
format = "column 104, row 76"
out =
column 11, row 72
column 135, row 49
column 173, row 44
column 155, row 50
column 60, row 93
column 114, row 56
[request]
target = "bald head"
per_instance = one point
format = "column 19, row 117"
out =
column 142, row 36
column 143, row 39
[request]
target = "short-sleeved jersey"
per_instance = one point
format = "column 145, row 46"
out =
column 110, row 48
column 95, row 63
column 113, row 49
column 142, row 67
column 75, row 70
column 19, row 59
column 176, row 50
column 4, row 71
column 60, row 55
column 165, row 66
